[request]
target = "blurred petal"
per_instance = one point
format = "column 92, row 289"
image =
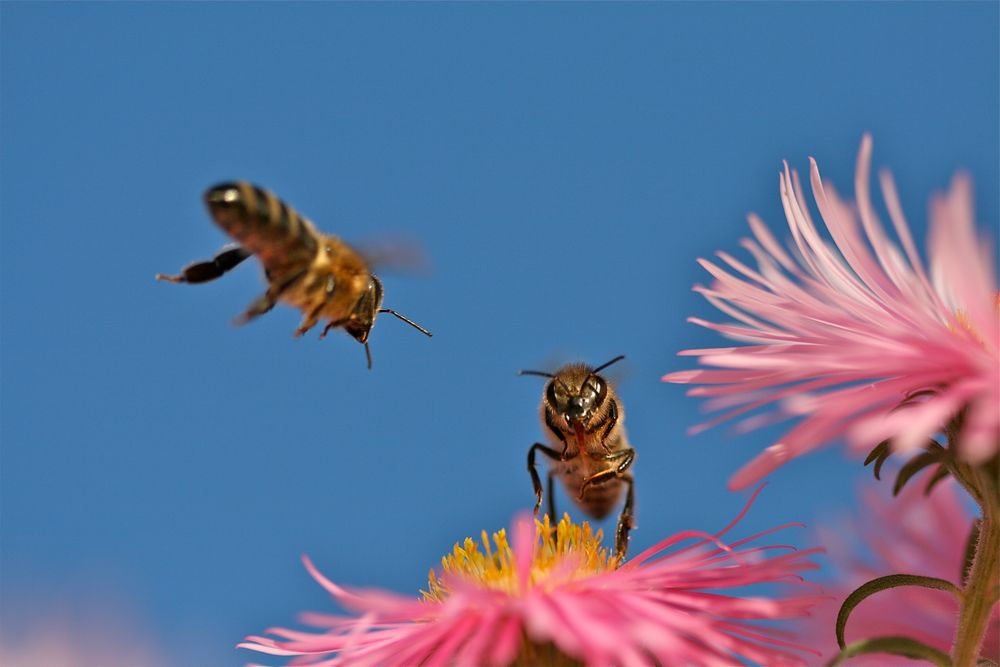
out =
column 910, row 534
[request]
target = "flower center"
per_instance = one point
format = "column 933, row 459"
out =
column 564, row 553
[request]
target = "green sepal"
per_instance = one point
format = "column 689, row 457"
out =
column 904, row 646
column 916, row 396
column 939, row 474
column 879, row 455
column 934, row 453
column 884, row 583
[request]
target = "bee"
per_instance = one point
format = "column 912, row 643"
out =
column 317, row 273
column 583, row 421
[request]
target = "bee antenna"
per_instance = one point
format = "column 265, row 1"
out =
column 538, row 373
column 546, row 375
column 605, row 365
column 368, row 353
column 407, row 320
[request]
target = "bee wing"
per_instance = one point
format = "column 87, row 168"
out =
column 398, row 254
column 618, row 375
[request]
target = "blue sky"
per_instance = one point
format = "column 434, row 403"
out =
column 563, row 165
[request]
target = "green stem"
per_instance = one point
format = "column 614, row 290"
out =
column 983, row 585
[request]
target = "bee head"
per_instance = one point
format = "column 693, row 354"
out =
column 575, row 392
column 362, row 319
column 575, row 402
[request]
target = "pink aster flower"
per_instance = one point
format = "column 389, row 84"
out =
column 910, row 534
column 841, row 332
column 559, row 598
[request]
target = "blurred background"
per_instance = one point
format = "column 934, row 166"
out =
column 562, row 166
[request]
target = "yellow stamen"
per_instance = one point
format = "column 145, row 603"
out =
column 962, row 318
column 576, row 549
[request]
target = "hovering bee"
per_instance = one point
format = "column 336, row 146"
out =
column 317, row 273
column 583, row 422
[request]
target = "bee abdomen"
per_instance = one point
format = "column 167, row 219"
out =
column 261, row 222
column 600, row 499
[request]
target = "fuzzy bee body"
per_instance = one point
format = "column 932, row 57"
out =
column 317, row 273
column 266, row 226
column 588, row 447
column 588, row 440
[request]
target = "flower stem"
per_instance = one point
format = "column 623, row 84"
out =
column 983, row 585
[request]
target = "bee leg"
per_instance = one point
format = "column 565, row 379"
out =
column 332, row 324
column 626, row 521
column 304, row 328
column 263, row 304
column 267, row 300
column 612, row 420
column 536, row 482
column 309, row 321
column 202, row 272
column 627, row 456
column 313, row 317
column 552, row 502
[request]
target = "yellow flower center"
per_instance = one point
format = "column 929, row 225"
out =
column 574, row 549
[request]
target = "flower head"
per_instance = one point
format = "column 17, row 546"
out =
column 855, row 336
column 910, row 534
column 557, row 597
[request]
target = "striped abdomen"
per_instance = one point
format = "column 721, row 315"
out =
column 263, row 224
column 600, row 498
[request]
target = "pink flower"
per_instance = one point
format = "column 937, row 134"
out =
column 564, row 600
column 910, row 534
column 842, row 333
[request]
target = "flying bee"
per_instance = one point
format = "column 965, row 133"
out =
column 583, row 421
column 317, row 273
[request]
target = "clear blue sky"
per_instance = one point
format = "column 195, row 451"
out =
column 563, row 166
